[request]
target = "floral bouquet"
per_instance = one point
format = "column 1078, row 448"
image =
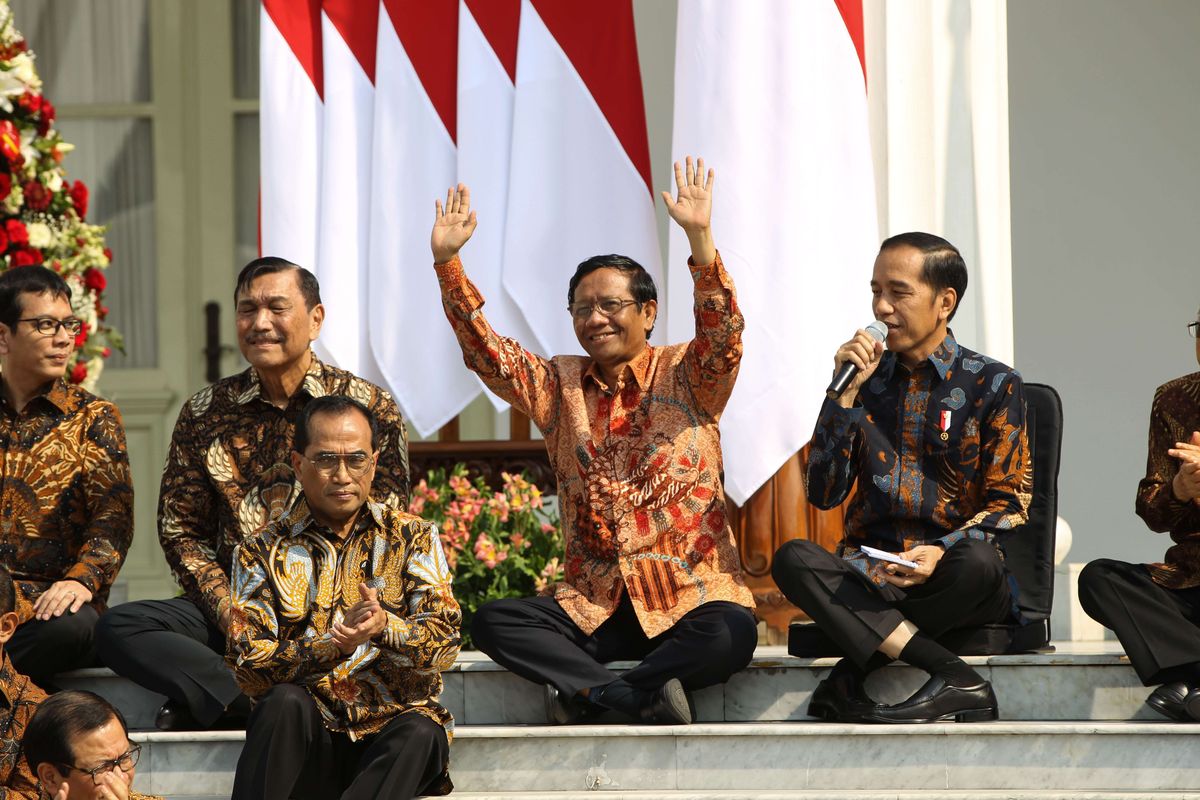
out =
column 500, row 543
column 41, row 212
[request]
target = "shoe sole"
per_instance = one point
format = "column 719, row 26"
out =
column 678, row 701
column 966, row 715
column 1179, row 714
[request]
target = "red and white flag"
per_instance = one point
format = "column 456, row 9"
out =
column 580, row 172
column 773, row 95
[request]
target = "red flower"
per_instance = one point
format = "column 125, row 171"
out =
column 37, row 197
column 79, row 372
column 26, row 257
column 101, row 311
column 82, row 336
column 79, row 196
column 17, row 234
column 3, row 240
column 106, row 352
column 94, row 280
column 108, row 254
column 46, row 119
column 30, row 103
column 10, row 143
column 5, row 185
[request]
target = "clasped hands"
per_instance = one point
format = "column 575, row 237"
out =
column 362, row 622
column 926, row 557
column 1186, row 484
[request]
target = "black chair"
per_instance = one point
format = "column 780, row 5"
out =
column 1028, row 553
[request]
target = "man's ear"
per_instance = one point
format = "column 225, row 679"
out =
column 49, row 777
column 6, row 335
column 296, row 459
column 316, row 319
column 650, row 314
column 947, row 302
column 8, row 626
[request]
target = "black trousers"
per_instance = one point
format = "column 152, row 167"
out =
column 290, row 754
column 536, row 639
column 1158, row 627
column 169, row 647
column 42, row 649
column 969, row 587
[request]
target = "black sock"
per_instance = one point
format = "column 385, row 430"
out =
column 847, row 668
column 619, row 696
column 924, row 653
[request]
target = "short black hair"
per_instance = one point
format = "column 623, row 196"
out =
column 641, row 285
column 62, row 718
column 28, row 280
column 336, row 405
column 310, row 288
column 943, row 267
column 8, row 593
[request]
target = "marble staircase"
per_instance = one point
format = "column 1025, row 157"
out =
column 1073, row 726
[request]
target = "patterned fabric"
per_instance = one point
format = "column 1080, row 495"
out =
column 229, row 471
column 638, row 463
column 19, row 699
column 940, row 453
column 295, row 580
column 1174, row 416
column 66, row 496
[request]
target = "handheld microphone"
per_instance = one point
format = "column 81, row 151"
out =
column 848, row 370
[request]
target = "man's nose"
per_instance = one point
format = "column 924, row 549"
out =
column 62, row 336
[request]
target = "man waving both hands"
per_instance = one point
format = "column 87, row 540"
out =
column 651, row 569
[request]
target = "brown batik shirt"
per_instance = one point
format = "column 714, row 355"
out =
column 229, row 471
column 66, row 497
column 638, row 463
column 1174, row 416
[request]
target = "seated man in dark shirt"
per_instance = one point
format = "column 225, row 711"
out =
column 935, row 436
column 1155, row 608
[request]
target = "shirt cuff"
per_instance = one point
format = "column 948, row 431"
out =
column 710, row 277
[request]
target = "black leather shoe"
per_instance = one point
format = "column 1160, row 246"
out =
column 668, row 706
column 1176, row 700
column 841, row 697
column 937, row 701
column 567, row 711
column 176, row 717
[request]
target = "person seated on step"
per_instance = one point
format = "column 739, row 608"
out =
column 343, row 618
column 227, row 474
column 78, row 747
column 1155, row 608
column 66, row 493
column 652, row 572
column 932, row 438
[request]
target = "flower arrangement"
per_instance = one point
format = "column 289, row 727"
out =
column 41, row 212
column 500, row 543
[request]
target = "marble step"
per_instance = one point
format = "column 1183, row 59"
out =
column 1105, row 758
column 834, row 794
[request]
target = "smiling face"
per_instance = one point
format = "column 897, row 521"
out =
column 274, row 326
column 335, row 498
column 31, row 357
column 612, row 341
column 915, row 314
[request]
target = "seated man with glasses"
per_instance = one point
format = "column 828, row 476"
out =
column 66, row 497
column 1155, row 608
column 652, row 572
column 343, row 618
column 78, row 747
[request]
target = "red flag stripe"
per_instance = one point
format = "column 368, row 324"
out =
column 357, row 21
column 500, row 21
column 299, row 23
column 600, row 42
column 852, row 15
column 428, row 30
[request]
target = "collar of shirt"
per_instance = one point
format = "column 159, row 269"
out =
column 639, row 368
column 58, row 396
column 942, row 359
column 312, row 383
column 300, row 519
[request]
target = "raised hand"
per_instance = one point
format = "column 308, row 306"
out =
column 691, row 208
column 1186, row 484
column 864, row 351
column 453, row 224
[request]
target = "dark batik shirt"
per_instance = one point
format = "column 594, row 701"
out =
column 638, row 462
column 295, row 580
column 229, row 471
column 66, row 497
column 939, row 453
column 1174, row 416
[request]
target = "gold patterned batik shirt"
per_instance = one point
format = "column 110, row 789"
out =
column 66, row 497
column 229, row 471
column 638, row 463
column 1174, row 417
column 295, row 580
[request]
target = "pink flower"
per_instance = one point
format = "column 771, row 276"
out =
column 485, row 551
column 417, row 504
column 547, row 528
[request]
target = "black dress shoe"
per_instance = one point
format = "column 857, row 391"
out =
column 176, row 717
column 668, row 706
column 567, row 711
column 1176, row 700
column 937, row 701
column 841, row 697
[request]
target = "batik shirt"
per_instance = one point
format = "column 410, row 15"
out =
column 1174, row 416
column 295, row 580
column 66, row 497
column 229, row 471
column 19, row 699
column 939, row 453
column 638, row 462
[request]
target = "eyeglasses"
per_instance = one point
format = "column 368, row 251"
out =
column 609, row 307
column 328, row 464
column 48, row 326
column 126, row 762
column 1194, row 329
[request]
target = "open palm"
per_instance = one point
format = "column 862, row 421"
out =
column 453, row 224
column 691, row 208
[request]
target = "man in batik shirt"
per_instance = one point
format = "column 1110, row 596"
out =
column 932, row 437
column 1155, row 608
column 652, row 570
column 65, row 489
column 228, row 472
column 343, row 618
